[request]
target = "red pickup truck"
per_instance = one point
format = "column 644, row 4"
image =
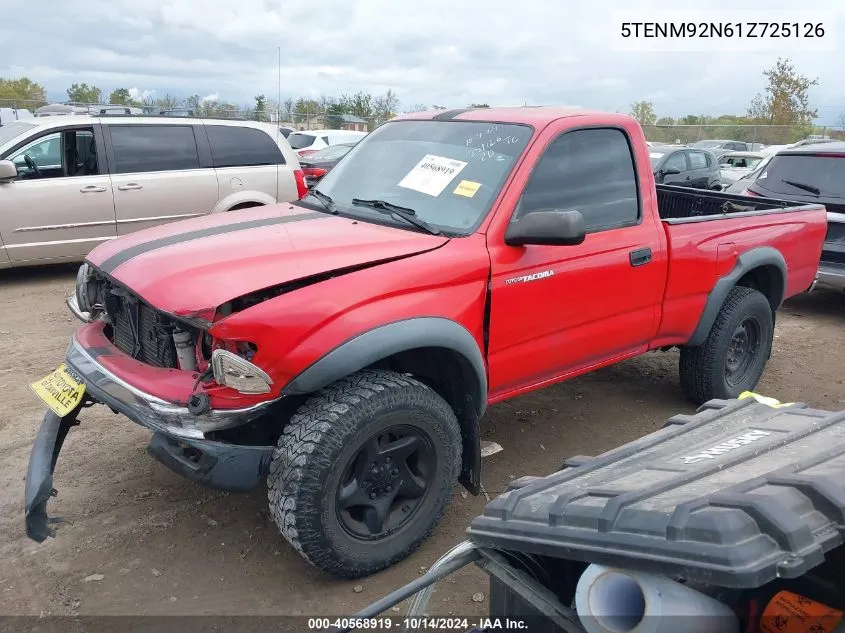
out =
column 345, row 347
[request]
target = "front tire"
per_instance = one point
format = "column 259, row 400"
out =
column 734, row 355
column 363, row 472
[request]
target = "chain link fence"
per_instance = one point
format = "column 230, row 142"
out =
column 755, row 134
column 322, row 118
column 319, row 118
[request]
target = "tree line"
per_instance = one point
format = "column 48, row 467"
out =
column 781, row 113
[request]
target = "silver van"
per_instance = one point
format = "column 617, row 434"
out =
column 69, row 183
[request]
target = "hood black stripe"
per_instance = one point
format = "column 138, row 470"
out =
column 109, row 265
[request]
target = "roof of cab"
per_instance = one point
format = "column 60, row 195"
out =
column 531, row 115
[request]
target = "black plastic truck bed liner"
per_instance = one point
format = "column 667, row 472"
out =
column 734, row 496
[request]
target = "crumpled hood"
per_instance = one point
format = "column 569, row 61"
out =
column 191, row 267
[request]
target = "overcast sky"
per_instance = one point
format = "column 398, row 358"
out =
column 445, row 52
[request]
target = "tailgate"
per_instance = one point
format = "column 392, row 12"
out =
column 735, row 495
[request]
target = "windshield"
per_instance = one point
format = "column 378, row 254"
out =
column 330, row 153
column 12, row 130
column 449, row 172
column 826, row 173
column 655, row 157
column 740, row 162
column 298, row 141
column 708, row 144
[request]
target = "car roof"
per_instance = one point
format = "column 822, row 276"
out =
column 88, row 119
column 329, row 132
column 745, row 154
column 527, row 115
column 837, row 147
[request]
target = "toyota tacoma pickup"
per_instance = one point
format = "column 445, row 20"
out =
column 345, row 347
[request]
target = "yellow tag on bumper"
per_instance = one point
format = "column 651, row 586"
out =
column 60, row 390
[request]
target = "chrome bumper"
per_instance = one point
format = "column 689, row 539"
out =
column 148, row 410
column 73, row 306
column 831, row 276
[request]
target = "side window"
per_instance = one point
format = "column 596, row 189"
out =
column 235, row 146
column 326, row 140
column 698, row 160
column 591, row 171
column 45, row 151
column 145, row 148
column 70, row 152
column 676, row 161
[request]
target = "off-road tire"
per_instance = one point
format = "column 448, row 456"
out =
column 317, row 441
column 702, row 368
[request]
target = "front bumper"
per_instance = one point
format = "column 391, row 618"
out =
column 178, row 440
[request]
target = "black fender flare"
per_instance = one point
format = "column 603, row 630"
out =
column 373, row 345
column 381, row 342
column 748, row 261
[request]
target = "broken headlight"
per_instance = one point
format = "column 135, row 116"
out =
column 238, row 373
column 87, row 290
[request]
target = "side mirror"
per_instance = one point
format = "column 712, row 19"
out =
column 670, row 171
column 547, row 228
column 8, row 171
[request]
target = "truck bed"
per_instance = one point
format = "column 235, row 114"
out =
column 677, row 203
column 707, row 232
column 736, row 495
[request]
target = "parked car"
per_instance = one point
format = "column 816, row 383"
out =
column 345, row 346
column 812, row 173
column 813, row 141
column 740, row 185
column 735, row 165
column 69, row 183
column 305, row 143
column 320, row 163
column 8, row 115
column 719, row 147
column 696, row 168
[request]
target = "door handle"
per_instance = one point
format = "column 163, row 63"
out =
column 130, row 186
column 640, row 256
column 92, row 189
column 688, row 178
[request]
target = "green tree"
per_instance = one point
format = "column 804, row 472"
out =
column 260, row 107
column 304, row 109
column 643, row 111
column 121, row 96
column 83, row 93
column 785, row 100
column 22, row 89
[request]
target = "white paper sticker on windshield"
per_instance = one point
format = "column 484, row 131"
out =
column 654, row 155
column 432, row 174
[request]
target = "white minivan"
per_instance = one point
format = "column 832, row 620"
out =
column 69, row 183
column 307, row 142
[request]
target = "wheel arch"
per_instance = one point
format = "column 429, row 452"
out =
column 763, row 269
column 437, row 351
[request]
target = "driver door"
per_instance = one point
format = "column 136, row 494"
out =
column 61, row 206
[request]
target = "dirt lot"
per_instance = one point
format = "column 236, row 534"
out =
column 166, row 546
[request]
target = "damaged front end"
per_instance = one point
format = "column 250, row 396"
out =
column 187, row 388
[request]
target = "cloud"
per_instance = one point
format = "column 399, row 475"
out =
column 441, row 52
column 140, row 95
column 214, row 97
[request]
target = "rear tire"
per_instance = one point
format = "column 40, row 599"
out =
column 363, row 472
column 734, row 355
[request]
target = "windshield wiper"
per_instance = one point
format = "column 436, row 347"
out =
column 409, row 215
column 325, row 200
column 804, row 186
